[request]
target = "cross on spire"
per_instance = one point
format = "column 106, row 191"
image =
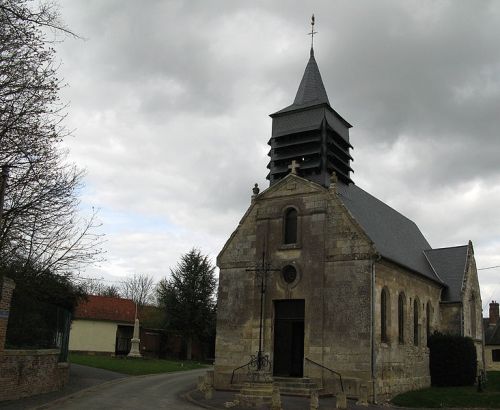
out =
column 312, row 33
column 293, row 167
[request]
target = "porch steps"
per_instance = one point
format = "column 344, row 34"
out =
column 255, row 394
column 296, row 386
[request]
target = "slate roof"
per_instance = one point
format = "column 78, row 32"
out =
column 311, row 89
column 106, row 308
column 395, row 237
column 491, row 333
column 450, row 265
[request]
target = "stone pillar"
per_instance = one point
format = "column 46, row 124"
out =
column 6, row 289
column 314, row 403
column 134, row 349
column 276, row 398
column 341, row 401
column 363, row 395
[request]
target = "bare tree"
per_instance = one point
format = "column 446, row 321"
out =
column 95, row 286
column 40, row 222
column 140, row 288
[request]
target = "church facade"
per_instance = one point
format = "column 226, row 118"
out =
column 319, row 274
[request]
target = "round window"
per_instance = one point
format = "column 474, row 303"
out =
column 289, row 274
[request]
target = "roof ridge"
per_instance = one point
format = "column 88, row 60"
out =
column 447, row 247
column 433, row 269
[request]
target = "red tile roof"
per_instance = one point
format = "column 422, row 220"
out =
column 106, row 308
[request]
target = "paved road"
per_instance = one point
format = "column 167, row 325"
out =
column 145, row 392
column 80, row 377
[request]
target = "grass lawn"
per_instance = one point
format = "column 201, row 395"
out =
column 454, row 396
column 133, row 366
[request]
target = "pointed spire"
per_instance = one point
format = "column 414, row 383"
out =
column 311, row 89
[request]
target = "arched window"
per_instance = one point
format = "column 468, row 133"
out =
column 473, row 316
column 290, row 226
column 384, row 310
column 428, row 319
column 416, row 304
column 401, row 318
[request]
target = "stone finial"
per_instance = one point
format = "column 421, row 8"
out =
column 293, row 167
column 256, row 189
column 333, row 181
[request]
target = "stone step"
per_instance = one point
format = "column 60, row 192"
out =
column 253, row 401
column 291, row 379
column 256, row 392
column 304, row 392
column 309, row 385
column 295, row 386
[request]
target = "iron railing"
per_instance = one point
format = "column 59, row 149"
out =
column 330, row 370
column 257, row 362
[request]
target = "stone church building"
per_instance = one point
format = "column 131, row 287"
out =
column 344, row 281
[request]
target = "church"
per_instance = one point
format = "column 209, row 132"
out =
column 321, row 281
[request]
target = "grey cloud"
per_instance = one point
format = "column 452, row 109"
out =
column 170, row 103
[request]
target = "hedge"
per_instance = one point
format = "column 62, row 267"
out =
column 453, row 360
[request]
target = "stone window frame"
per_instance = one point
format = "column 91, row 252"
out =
column 416, row 318
column 428, row 318
column 385, row 314
column 472, row 315
column 495, row 355
column 401, row 317
column 297, row 243
column 298, row 270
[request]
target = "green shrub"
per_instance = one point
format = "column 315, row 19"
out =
column 453, row 360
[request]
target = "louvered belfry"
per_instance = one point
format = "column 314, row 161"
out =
column 310, row 132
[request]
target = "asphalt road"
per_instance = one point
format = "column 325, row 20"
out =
column 161, row 391
column 80, row 378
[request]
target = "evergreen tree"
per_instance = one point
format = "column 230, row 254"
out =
column 188, row 298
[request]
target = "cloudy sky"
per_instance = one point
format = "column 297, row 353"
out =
column 169, row 102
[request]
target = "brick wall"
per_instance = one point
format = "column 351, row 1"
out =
column 25, row 373
column 6, row 288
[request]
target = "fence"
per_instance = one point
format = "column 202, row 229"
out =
column 38, row 325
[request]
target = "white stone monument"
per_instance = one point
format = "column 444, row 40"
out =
column 134, row 349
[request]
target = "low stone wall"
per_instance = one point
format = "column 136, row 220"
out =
column 25, row 373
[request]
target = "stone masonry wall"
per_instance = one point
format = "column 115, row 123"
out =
column 472, row 307
column 26, row 372
column 403, row 366
column 333, row 261
column 451, row 318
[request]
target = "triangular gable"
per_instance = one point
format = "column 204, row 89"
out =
column 290, row 185
column 451, row 265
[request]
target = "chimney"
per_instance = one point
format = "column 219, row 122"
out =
column 493, row 312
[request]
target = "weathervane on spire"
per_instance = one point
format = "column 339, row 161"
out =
column 312, row 33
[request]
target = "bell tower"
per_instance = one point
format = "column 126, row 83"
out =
column 311, row 133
